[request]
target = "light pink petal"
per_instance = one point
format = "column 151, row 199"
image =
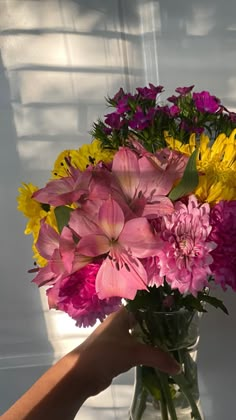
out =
column 63, row 191
column 138, row 238
column 53, row 295
column 56, row 263
column 93, row 245
column 45, row 275
column 153, row 179
column 66, row 248
column 80, row 261
column 48, row 240
column 126, row 169
column 124, row 282
column 54, row 191
column 99, row 187
column 83, row 224
column 111, row 218
column 159, row 206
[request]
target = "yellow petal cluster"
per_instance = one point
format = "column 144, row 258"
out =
column 83, row 157
column 216, row 164
column 34, row 213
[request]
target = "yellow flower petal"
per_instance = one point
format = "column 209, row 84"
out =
column 88, row 154
column 216, row 164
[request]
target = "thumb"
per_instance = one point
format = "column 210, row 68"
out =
column 156, row 358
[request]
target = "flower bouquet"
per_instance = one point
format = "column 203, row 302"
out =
column 147, row 214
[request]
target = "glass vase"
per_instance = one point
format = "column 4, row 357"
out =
column 159, row 396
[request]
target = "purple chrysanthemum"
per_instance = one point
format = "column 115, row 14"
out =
column 76, row 295
column 223, row 221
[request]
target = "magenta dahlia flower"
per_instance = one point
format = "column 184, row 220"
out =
column 223, row 221
column 76, row 295
column 186, row 254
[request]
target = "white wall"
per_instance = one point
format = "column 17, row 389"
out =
column 59, row 58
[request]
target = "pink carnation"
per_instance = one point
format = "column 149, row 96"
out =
column 186, row 254
column 223, row 221
column 76, row 295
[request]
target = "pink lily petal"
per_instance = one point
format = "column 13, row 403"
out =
column 80, row 261
column 123, row 282
column 59, row 192
column 45, row 275
column 159, row 206
column 138, row 237
column 93, row 245
column 174, row 162
column 83, row 223
column 126, row 169
column 56, row 264
column 153, row 180
column 48, row 240
column 99, row 187
column 67, row 247
column 53, row 295
column 111, row 218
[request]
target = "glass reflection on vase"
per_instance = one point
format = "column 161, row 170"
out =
column 159, row 396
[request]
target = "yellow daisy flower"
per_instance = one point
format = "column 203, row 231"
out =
column 216, row 164
column 30, row 208
column 86, row 155
column 35, row 213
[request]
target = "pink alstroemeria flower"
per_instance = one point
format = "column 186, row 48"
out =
column 145, row 181
column 59, row 250
column 121, row 243
column 64, row 191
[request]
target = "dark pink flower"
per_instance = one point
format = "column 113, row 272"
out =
column 184, row 125
column 173, row 99
column 113, row 120
column 184, row 90
column 232, row 116
column 123, row 105
column 174, row 111
column 118, row 95
column 151, row 92
column 76, row 295
column 205, row 102
column 223, row 221
column 141, row 120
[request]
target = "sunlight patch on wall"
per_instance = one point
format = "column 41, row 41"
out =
column 202, row 20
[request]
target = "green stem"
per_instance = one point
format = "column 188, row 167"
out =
column 164, row 411
column 166, row 391
column 183, row 384
column 141, row 406
column 163, row 402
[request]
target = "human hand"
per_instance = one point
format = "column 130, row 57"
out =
column 87, row 370
column 111, row 350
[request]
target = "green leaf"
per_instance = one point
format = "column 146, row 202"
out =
column 189, row 180
column 191, row 302
column 217, row 303
column 62, row 214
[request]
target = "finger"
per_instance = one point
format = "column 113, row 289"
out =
column 120, row 319
column 156, row 358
